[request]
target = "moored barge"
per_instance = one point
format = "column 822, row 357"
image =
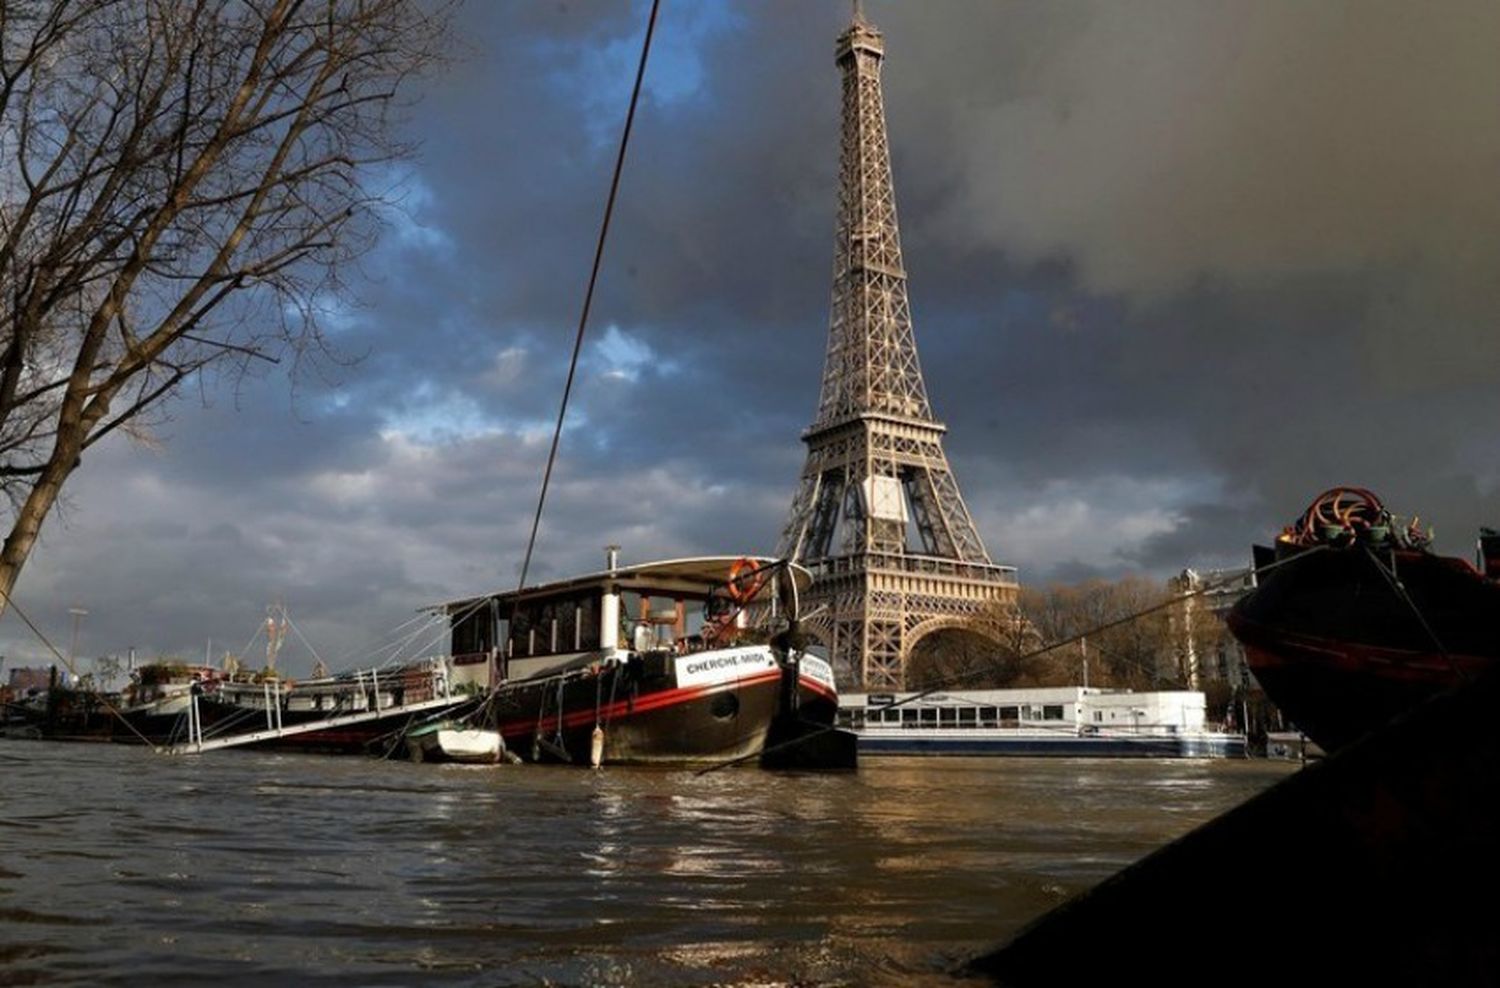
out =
column 1070, row 721
column 647, row 663
column 1355, row 619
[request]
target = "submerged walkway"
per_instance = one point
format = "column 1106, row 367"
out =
column 329, row 723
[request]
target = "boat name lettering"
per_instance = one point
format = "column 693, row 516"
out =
column 720, row 662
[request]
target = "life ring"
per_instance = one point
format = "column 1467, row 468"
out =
column 744, row 580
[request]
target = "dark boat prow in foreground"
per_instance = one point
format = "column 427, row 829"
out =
column 1360, row 871
column 1355, row 619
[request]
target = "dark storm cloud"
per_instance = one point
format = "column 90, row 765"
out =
column 1175, row 267
column 1278, row 233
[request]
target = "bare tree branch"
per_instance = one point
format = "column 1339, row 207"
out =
column 180, row 183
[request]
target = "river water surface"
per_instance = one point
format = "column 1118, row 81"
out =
column 236, row 868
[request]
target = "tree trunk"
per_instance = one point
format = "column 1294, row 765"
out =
column 29, row 519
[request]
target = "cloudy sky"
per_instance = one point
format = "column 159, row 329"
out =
column 1175, row 268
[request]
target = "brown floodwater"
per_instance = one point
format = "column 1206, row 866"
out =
column 121, row 867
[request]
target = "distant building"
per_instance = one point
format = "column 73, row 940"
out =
column 1206, row 651
column 36, row 678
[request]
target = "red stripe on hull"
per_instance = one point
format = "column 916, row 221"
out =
column 1275, row 650
column 607, row 713
column 823, row 692
column 1338, row 691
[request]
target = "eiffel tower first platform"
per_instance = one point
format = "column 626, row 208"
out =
column 878, row 518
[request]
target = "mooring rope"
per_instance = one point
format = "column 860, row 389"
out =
column 583, row 319
column 11, row 603
column 588, row 297
column 442, row 627
column 301, row 637
column 1399, row 589
column 385, row 643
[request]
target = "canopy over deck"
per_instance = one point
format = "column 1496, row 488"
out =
column 695, row 576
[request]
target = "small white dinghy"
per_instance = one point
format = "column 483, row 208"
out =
column 447, row 741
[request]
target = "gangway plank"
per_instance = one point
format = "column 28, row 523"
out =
column 330, row 723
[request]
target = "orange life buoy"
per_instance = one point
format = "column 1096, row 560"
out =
column 743, row 583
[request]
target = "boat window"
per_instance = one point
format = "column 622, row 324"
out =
column 1010, row 716
column 989, row 716
column 652, row 620
column 1052, row 711
column 947, row 717
column 908, row 715
column 555, row 625
column 565, row 616
column 520, row 632
column 1098, row 716
column 929, row 715
column 544, row 615
column 967, row 715
column 588, row 620
column 893, row 716
column 473, row 631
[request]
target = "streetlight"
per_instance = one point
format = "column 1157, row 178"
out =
column 78, row 615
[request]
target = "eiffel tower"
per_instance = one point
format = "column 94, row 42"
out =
column 878, row 518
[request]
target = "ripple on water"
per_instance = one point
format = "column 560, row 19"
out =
column 251, row 869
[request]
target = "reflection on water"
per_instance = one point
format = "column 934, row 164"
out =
column 119, row 867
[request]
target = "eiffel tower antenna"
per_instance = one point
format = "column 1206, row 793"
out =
column 877, row 516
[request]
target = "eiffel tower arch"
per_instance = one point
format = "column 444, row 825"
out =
column 878, row 517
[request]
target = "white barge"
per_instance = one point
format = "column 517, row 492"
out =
column 1072, row 721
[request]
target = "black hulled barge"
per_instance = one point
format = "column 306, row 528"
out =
column 1355, row 619
column 656, row 662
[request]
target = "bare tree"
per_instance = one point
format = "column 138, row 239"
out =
column 1129, row 654
column 181, row 182
column 959, row 659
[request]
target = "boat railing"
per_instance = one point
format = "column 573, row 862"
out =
column 916, row 563
column 358, row 689
column 358, row 695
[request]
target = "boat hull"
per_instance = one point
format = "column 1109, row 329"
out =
column 1022, row 745
column 658, row 709
column 1341, row 650
column 467, row 746
column 654, row 722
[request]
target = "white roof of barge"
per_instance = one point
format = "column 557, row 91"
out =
column 699, row 572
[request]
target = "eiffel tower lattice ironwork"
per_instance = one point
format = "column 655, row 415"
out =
column 878, row 517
